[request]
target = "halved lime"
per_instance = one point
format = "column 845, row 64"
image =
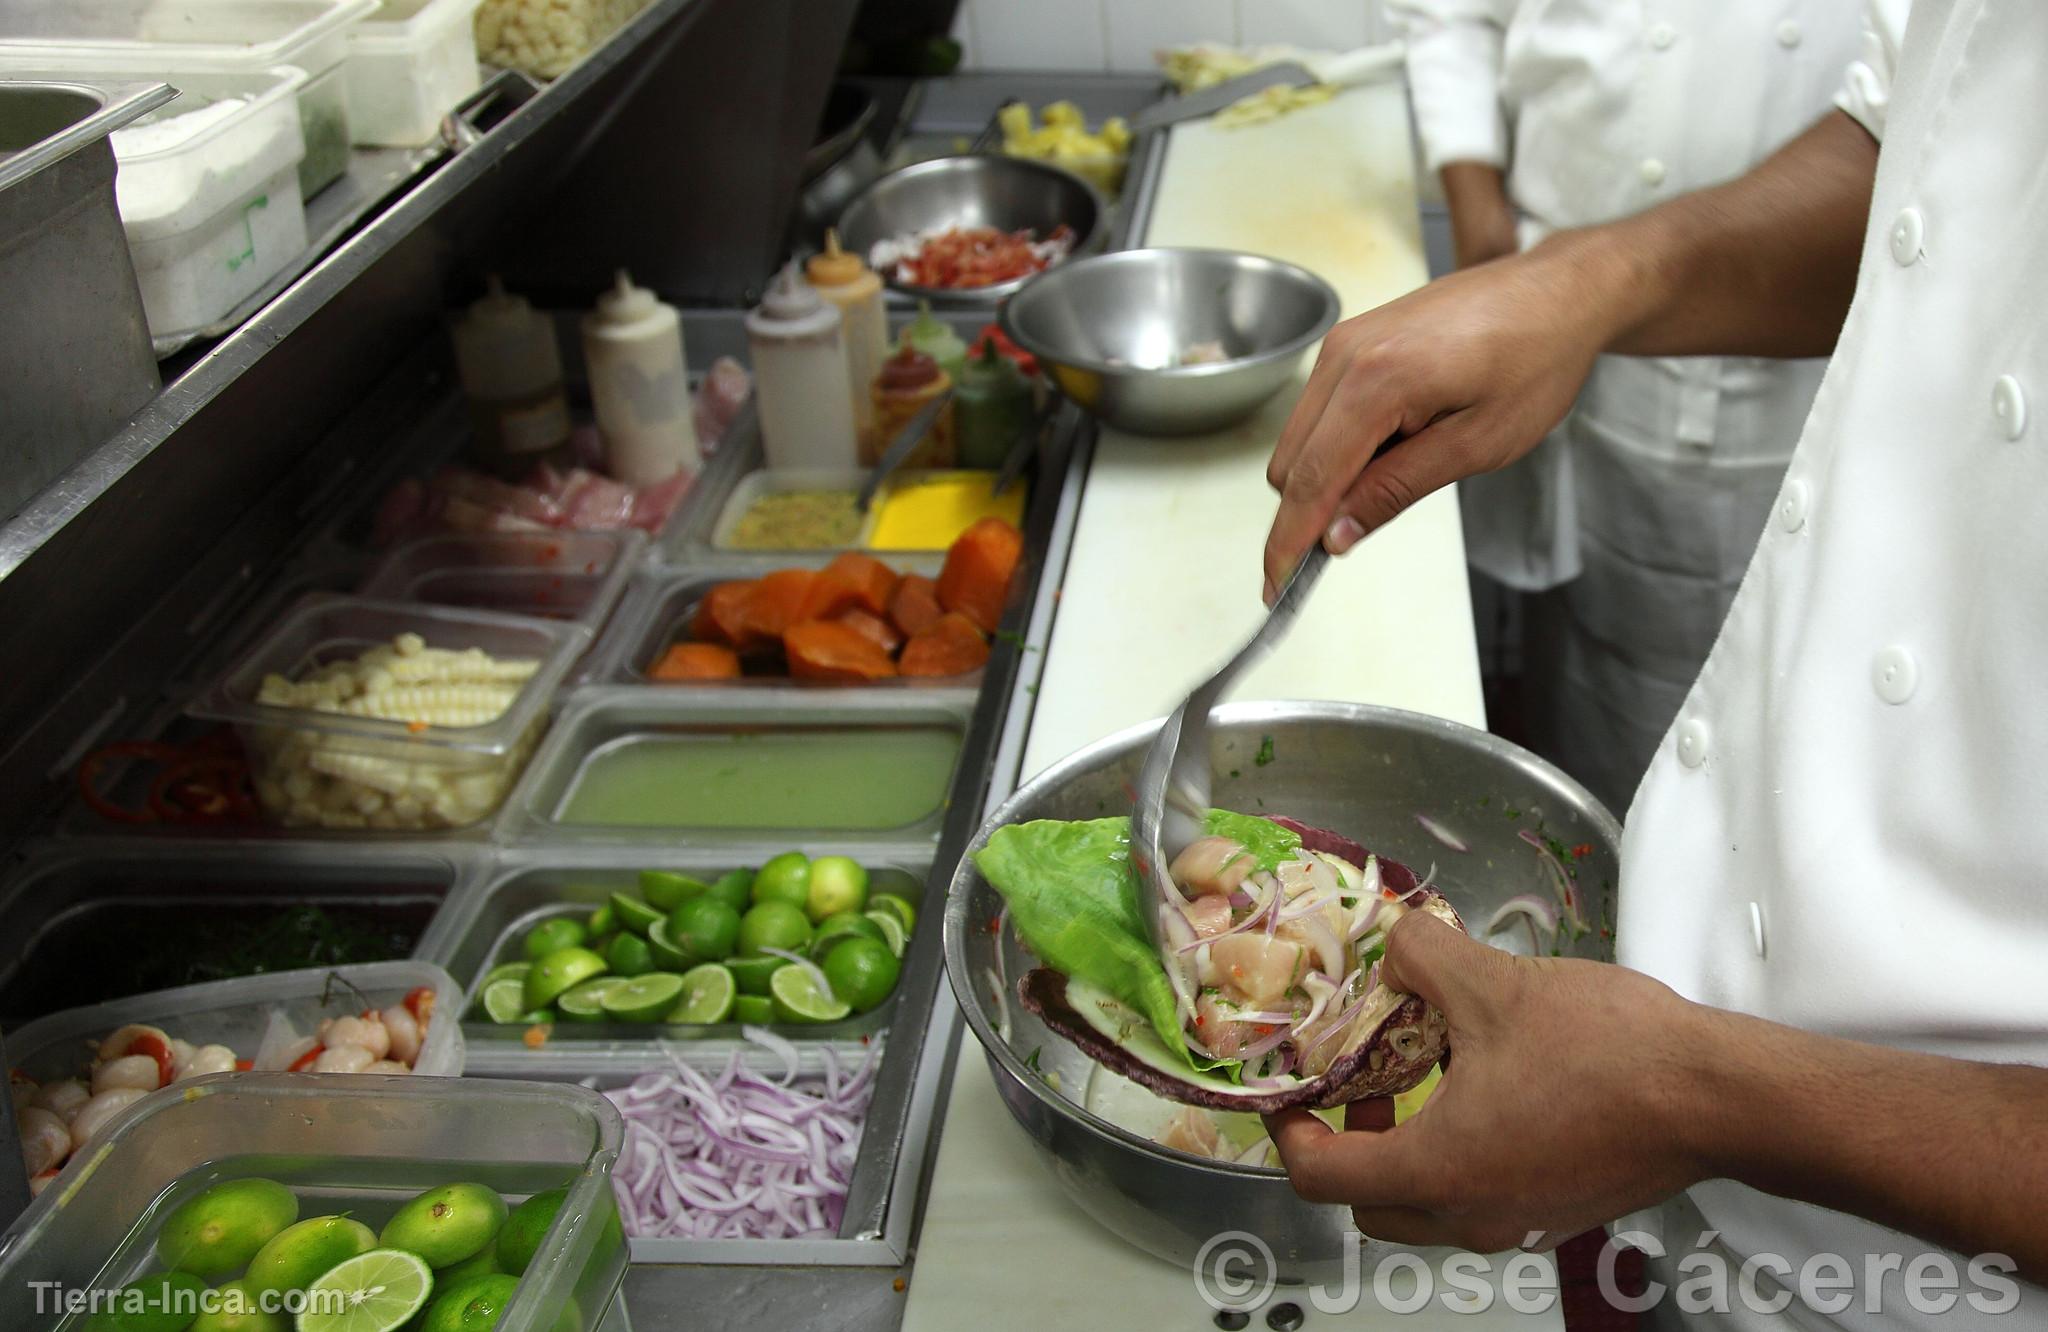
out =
column 756, row 1010
column 506, row 971
column 648, row 998
column 666, row 890
column 585, row 1003
column 799, row 998
column 845, row 925
column 667, row 952
column 751, row 973
column 893, row 933
column 735, row 888
column 903, row 907
column 505, row 1000
column 559, row 972
column 708, row 994
column 552, row 936
column 371, row 1292
column 630, row 955
column 601, row 921
column 632, row 913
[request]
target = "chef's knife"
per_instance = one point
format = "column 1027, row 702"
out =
column 907, row 439
column 1208, row 101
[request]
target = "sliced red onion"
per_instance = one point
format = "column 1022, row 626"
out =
column 1537, row 913
column 1259, row 910
column 1441, row 833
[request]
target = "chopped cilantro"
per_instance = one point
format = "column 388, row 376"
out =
column 1031, row 1060
column 1265, row 754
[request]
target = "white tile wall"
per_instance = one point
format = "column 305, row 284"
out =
column 1121, row 35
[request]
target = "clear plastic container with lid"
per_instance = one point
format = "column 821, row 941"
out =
column 361, row 1145
column 176, row 39
column 801, row 386
column 408, row 65
column 572, row 576
column 640, row 385
column 511, row 373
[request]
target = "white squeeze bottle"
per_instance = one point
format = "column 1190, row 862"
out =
column 801, row 385
column 640, row 384
column 856, row 289
column 512, row 375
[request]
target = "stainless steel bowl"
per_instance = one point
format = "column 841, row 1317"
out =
column 1112, row 330
column 1366, row 771
column 980, row 190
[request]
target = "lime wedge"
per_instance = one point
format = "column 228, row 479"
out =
column 585, row 1003
column 633, row 914
column 667, row 890
column 903, row 907
column 708, row 994
column 505, row 971
column 559, row 972
column 799, row 998
column 667, row 953
column 756, row 1010
column 648, row 998
column 504, row 1000
column 752, row 973
column 371, row 1292
column 893, row 933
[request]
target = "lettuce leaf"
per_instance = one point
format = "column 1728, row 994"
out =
column 1073, row 898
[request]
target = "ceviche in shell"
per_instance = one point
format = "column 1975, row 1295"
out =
column 1268, row 991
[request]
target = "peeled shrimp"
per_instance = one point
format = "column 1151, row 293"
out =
column 118, row 1043
column 387, row 1066
column 64, row 1098
column 99, row 1111
column 208, row 1059
column 343, row 1059
column 405, row 1033
column 367, row 1032
column 1212, row 865
column 127, row 1071
column 37, row 1183
column 45, row 1142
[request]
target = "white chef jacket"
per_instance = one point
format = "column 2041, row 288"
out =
column 1648, row 498
column 1843, row 829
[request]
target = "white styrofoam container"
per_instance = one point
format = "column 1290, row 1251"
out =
column 176, row 39
column 212, row 218
column 408, row 65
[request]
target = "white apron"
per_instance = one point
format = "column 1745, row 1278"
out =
column 1843, row 829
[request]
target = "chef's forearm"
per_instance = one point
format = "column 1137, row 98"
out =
column 1762, row 266
column 1944, row 1149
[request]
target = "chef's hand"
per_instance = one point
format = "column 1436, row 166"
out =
column 1558, row 1110
column 1460, row 377
column 1482, row 219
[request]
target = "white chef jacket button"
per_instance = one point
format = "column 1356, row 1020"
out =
column 1662, row 35
column 1792, row 506
column 1906, row 235
column 1894, row 675
column 1653, row 171
column 2009, row 405
column 1692, row 742
column 1756, row 926
column 1789, row 34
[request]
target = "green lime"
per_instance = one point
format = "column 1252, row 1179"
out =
column 708, row 992
column 238, row 1307
column 862, row 972
column 905, row 910
column 632, row 913
column 446, row 1224
column 756, row 1010
column 665, row 890
column 524, row 1230
column 735, row 888
column 585, row 1003
column 644, row 998
column 847, row 924
column 629, row 955
column 559, row 972
column 601, row 921
column 505, row 1000
column 159, row 1302
column 773, row 925
column 704, row 929
column 299, row 1253
column 786, row 878
column 543, row 1016
column 798, row 998
column 475, row 1305
column 219, row 1231
column 893, row 933
column 668, row 953
column 751, row 973
column 505, row 971
column 838, row 883
column 553, row 935
column 481, row 1263
column 371, row 1292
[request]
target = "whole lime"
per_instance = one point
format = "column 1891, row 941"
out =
column 159, row 1302
column 705, row 929
column 552, row 936
column 447, row 1224
column 301, row 1254
column 629, row 955
column 474, row 1305
column 773, row 925
column 838, row 884
column 219, row 1231
column 862, row 972
column 526, row 1228
column 239, row 1307
column 786, row 878
column 846, row 924
column 735, row 888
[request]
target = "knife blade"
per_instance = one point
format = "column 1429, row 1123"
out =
column 1208, row 101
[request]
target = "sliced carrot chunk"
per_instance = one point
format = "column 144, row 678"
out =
column 719, row 618
column 976, row 578
column 914, row 607
column 851, row 582
column 826, row 650
column 953, row 645
column 696, row 661
column 776, row 602
column 874, row 628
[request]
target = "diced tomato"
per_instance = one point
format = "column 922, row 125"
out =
column 244, row 1065
column 305, row 1061
column 1005, row 348
column 419, row 1001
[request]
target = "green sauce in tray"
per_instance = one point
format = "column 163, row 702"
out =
column 844, row 778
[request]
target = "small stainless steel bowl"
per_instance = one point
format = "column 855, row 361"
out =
column 1364, row 771
column 977, row 190
column 1111, row 330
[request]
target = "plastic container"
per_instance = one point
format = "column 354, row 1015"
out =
column 177, row 39
column 240, row 1014
column 844, row 279
column 640, row 385
column 906, row 384
column 358, row 1144
column 756, row 484
column 333, row 770
column 511, row 374
column 576, row 577
column 544, row 40
column 213, row 214
column 935, row 338
column 788, row 482
column 991, row 409
column 409, row 63
column 796, row 340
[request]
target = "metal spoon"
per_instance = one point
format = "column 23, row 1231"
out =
column 1171, row 799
